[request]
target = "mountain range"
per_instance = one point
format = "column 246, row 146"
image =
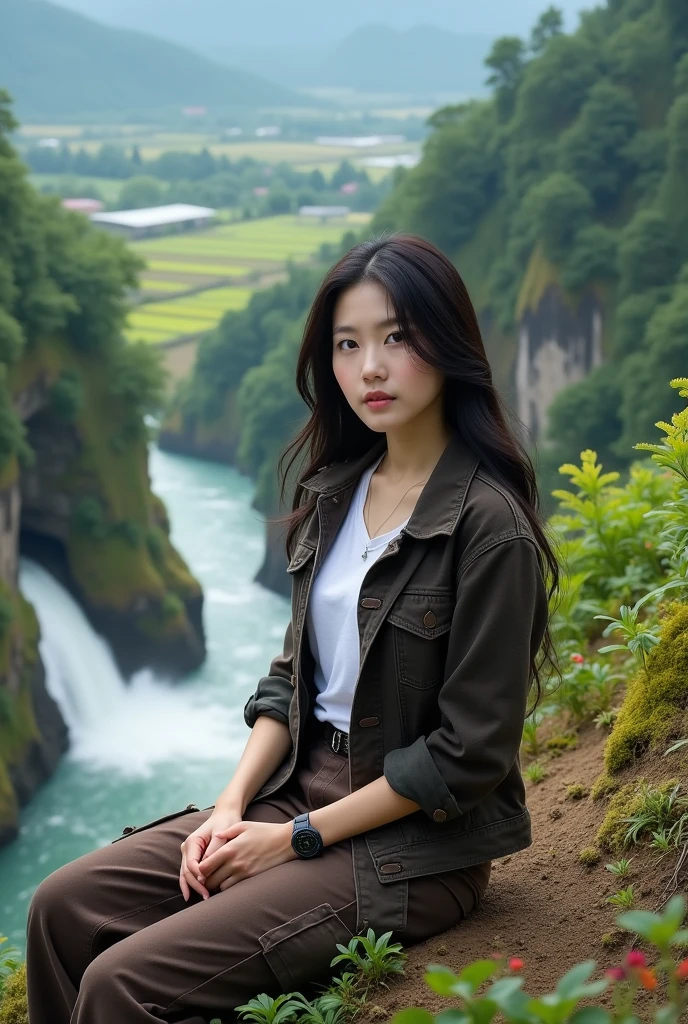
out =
column 56, row 62
column 373, row 58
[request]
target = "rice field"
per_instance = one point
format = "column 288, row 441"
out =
column 163, row 321
column 192, row 279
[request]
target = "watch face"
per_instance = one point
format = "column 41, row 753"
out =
column 306, row 843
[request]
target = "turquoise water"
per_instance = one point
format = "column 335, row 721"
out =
column 143, row 749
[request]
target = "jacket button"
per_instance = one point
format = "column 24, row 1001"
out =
column 371, row 602
column 390, row 869
column 439, row 815
column 365, row 723
column 429, row 619
column 335, row 500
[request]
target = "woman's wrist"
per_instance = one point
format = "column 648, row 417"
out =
column 231, row 805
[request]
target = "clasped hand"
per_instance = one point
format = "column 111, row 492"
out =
column 218, row 854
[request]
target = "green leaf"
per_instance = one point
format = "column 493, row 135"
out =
column 440, row 979
column 640, row 921
column 680, row 938
column 452, row 1017
column 573, row 979
column 591, row 1015
column 478, row 972
column 413, row 1015
column 666, row 1015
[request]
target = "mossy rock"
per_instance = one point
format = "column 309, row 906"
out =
column 626, row 802
column 656, row 698
column 605, row 785
column 13, row 1004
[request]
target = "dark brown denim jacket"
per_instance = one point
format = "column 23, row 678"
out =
column 450, row 615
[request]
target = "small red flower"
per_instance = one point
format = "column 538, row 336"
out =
column 649, row 545
column 636, row 959
column 578, row 658
column 648, row 978
column 682, row 970
column 516, row 964
column 615, row 973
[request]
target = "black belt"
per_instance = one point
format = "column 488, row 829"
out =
column 336, row 739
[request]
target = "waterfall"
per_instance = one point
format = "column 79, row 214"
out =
column 113, row 724
column 74, row 655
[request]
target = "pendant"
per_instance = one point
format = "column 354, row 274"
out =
column 365, row 554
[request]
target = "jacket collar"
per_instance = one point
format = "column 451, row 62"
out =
column 440, row 503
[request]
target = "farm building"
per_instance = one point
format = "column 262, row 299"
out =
column 324, row 211
column 84, row 205
column 156, row 220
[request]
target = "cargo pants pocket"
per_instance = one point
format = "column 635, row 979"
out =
column 130, row 830
column 299, row 949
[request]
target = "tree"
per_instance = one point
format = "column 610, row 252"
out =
column 139, row 192
column 556, row 84
column 593, row 149
column 556, row 209
column 549, row 24
column 592, row 258
column 673, row 193
column 507, row 60
column 648, row 253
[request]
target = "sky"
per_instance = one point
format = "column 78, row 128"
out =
column 275, row 22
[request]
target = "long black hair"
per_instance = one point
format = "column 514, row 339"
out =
column 438, row 322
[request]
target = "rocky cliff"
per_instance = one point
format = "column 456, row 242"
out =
column 83, row 507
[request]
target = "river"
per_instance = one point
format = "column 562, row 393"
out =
column 141, row 749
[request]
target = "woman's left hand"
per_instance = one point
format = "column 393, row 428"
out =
column 250, row 847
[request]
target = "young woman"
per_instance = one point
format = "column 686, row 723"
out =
column 381, row 776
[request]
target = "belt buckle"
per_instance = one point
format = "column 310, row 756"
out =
column 340, row 741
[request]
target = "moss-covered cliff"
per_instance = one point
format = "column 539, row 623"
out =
column 74, row 485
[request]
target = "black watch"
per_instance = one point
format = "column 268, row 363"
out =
column 305, row 839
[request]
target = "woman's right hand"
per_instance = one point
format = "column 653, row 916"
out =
column 197, row 844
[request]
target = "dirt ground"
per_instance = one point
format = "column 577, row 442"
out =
column 542, row 904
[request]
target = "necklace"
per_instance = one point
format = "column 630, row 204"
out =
column 365, row 553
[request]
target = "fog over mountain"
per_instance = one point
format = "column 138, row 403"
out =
column 274, row 22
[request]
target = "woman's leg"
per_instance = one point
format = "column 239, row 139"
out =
column 110, row 938
column 96, row 900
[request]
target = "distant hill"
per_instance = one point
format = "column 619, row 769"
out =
column 205, row 23
column 374, row 58
column 56, row 62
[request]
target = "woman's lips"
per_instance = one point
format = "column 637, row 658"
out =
column 379, row 403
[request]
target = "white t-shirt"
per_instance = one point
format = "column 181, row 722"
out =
column 331, row 615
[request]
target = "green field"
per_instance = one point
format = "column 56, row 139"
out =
column 164, row 321
column 220, row 260
column 201, row 267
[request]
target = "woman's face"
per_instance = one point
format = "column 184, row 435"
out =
column 368, row 354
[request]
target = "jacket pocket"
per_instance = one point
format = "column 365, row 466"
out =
column 422, row 619
column 130, row 830
column 303, row 947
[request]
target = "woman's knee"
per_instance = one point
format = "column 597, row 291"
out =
column 55, row 895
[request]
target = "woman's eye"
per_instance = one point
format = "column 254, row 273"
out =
column 394, row 334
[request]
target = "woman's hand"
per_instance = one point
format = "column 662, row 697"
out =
column 249, row 848
column 202, row 842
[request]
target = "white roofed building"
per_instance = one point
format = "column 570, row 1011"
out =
column 156, row 220
column 324, row 211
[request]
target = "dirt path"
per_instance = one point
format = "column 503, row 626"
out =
column 542, row 904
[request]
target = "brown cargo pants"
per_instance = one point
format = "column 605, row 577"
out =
column 110, row 939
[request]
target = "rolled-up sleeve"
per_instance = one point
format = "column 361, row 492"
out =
column 498, row 623
column 274, row 692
